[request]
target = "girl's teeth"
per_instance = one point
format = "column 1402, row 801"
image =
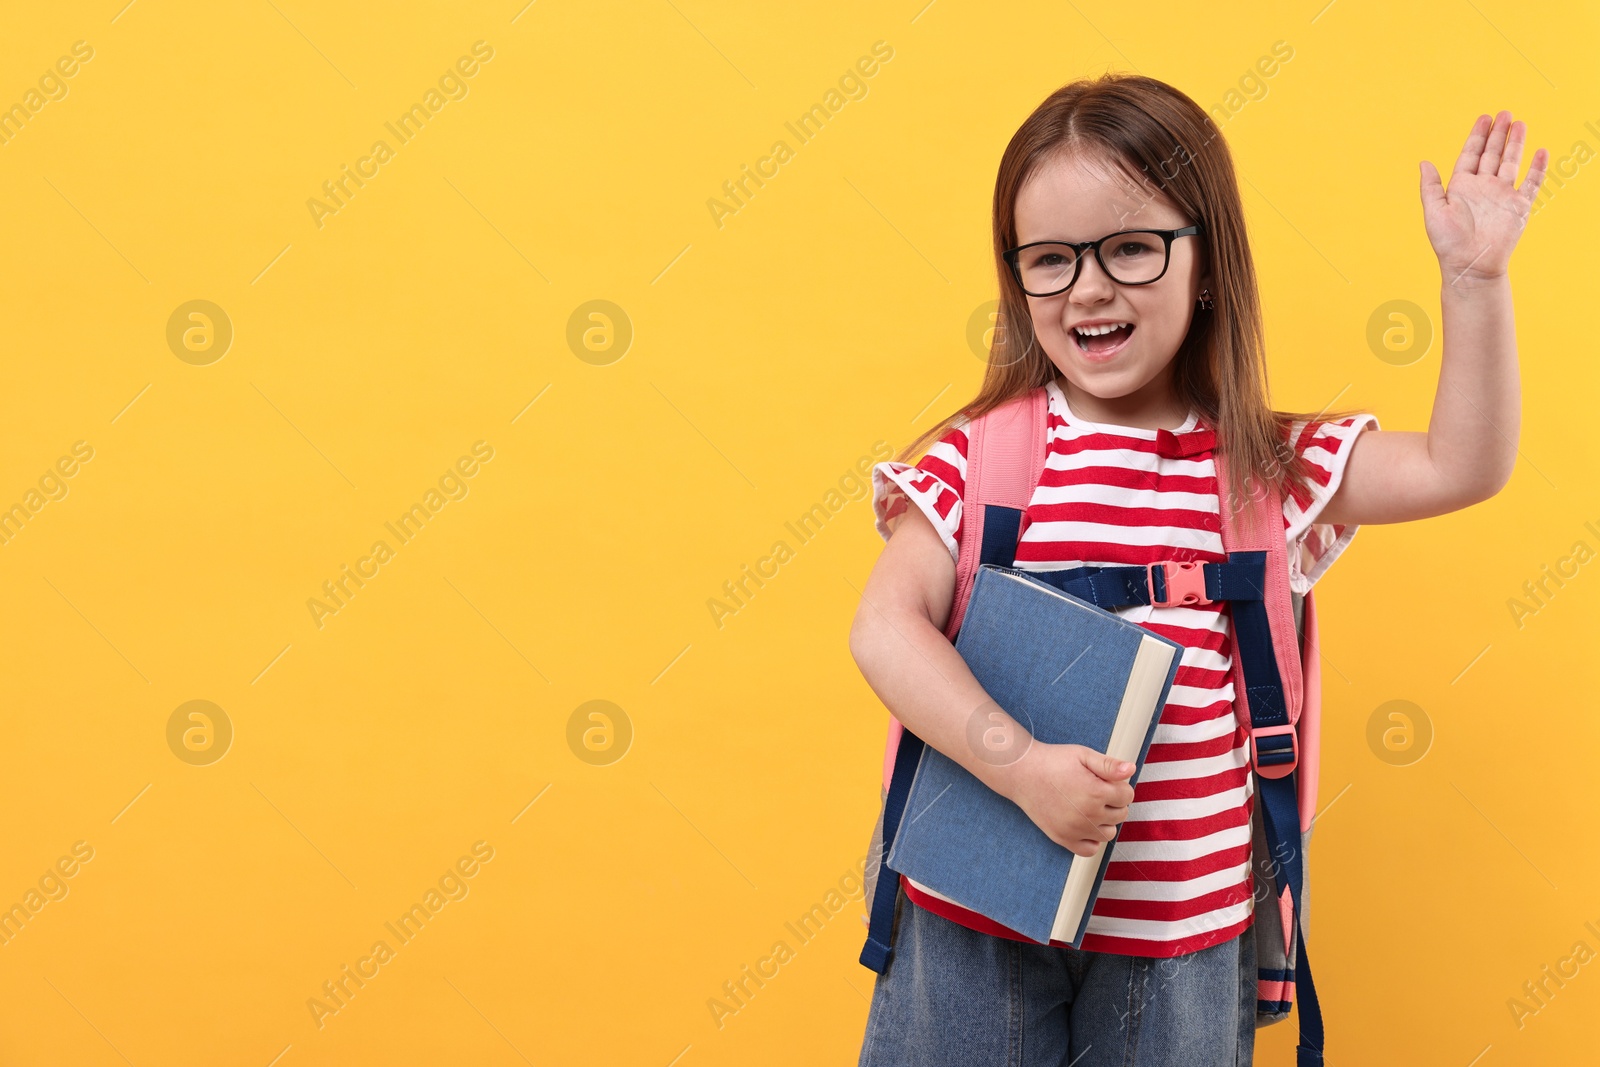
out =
column 1095, row 331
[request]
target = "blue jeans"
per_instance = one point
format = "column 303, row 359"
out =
column 954, row 997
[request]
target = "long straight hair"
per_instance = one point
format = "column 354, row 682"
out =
column 1165, row 143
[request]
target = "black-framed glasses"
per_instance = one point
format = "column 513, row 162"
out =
column 1136, row 257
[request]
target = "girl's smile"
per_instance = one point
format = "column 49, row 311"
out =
column 1098, row 340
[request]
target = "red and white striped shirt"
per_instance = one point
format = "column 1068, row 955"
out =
column 1179, row 879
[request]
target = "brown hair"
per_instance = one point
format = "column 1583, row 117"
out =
column 1162, row 140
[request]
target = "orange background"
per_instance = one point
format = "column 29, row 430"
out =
column 743, row 367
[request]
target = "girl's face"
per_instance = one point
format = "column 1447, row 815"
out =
column 1122, row 378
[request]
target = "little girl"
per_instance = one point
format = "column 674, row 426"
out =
column 1128, row 293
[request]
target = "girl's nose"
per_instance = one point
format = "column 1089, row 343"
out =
column 1093, row 285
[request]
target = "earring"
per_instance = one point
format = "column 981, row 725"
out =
column 1206, row 303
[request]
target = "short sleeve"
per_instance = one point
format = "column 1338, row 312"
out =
column 1313, row 545
column 934, row 485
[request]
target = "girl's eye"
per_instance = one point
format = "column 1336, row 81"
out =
column 1130, row 249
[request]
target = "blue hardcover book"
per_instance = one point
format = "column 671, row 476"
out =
column 1071, row 673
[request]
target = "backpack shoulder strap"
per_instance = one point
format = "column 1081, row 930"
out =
column 1257, row 526
column 1269, row 671
column 1310, row 723
column 1005, row 458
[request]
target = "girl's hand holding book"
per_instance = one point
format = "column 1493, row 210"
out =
column 1076, row 795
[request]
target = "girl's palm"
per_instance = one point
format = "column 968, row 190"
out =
column 1474, row 226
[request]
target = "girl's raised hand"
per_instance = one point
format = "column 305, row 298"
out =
column 1475, row 224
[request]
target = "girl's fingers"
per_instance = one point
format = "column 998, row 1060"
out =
column 1489, row 162
column 1432, row 187
column 1472, row 151
column 1511, row 157
column 1530, row 185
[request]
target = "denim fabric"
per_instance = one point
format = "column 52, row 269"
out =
column 954, row 997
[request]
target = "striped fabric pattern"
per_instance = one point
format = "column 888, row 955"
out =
column 1179, row 880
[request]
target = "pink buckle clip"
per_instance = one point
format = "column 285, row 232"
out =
column 1186, row 583
column 1275, row 770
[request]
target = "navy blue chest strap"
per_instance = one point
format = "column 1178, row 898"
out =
column 1167, row 583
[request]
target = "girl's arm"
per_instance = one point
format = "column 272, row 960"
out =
column 1467, row 454
column 897, row 640
column 1076, row 795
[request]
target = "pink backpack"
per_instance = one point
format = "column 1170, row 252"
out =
column 1275, row 663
